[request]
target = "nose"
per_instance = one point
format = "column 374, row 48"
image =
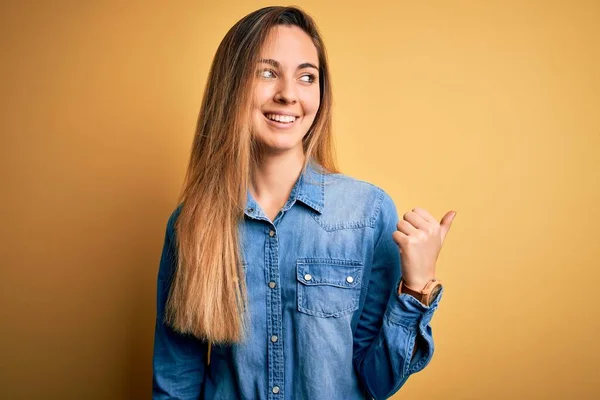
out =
column 286, row 92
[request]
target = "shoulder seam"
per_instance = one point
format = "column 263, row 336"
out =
column 378, row 203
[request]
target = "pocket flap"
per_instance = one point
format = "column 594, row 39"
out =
column 340, row 273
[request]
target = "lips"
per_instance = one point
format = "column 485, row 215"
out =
column 281, row 125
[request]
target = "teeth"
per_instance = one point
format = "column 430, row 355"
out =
column 281, row 118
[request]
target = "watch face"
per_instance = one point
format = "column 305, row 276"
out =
column 434, row 293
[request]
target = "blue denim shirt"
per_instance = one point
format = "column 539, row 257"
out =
column 326, row 319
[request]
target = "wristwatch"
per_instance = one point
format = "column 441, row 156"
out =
column 427, row 295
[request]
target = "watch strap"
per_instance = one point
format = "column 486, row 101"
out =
column 426, row 295
column 405, row 289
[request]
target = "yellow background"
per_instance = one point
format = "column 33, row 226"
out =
column 489, row 108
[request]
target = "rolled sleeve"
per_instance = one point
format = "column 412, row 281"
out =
column 391, row 324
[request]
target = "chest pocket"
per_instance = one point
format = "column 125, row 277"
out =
column 328, row 287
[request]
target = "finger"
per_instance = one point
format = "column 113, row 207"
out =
column 446, row 223
column 416, row 220
column 400, row 238
column 424, row 214
column 406, row 228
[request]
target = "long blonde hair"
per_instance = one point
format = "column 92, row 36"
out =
column 208, row 295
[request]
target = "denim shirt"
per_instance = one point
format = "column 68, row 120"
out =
column 326, row 319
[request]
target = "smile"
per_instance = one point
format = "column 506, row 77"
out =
column 281, row 121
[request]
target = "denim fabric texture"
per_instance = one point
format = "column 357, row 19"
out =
column 326, row 319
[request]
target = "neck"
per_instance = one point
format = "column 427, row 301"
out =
column 273, row 179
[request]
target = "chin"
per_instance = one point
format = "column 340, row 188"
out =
column 279, row 145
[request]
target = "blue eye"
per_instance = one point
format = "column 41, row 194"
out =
column 311, row 78
column 268, row 71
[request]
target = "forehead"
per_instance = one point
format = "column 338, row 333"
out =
column 289, row 45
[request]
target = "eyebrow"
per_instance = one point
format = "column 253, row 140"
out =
column 276, row 64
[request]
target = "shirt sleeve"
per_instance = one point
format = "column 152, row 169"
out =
column 390, row 325
column 178, row 360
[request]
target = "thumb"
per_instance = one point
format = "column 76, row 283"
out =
column 446, row 223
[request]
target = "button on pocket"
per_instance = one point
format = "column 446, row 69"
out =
column 328, row 287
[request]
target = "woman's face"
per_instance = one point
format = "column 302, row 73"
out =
column 286, row 95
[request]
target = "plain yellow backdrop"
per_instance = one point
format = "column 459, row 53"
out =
column 489, row 108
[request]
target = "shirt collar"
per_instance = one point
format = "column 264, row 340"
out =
column 309, row 189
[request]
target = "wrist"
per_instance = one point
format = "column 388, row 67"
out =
column 417, row 284
column 426, row 295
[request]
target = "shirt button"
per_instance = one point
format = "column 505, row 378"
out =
column 272, row 285
column 349, row 279
column 250, row 210
column 274, row 338
column 275, row 389
column 271, row 233
column 308, row 277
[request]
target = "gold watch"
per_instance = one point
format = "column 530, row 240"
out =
column 426, row 295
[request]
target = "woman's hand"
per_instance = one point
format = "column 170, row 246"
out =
column 420, row 238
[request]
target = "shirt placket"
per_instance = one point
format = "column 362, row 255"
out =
column 274, row 317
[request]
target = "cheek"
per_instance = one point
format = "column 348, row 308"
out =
column 261, row 96
column 310, row 103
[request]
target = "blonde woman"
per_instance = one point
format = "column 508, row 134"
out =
column 280, row 277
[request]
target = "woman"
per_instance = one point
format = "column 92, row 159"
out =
column 280, row 276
